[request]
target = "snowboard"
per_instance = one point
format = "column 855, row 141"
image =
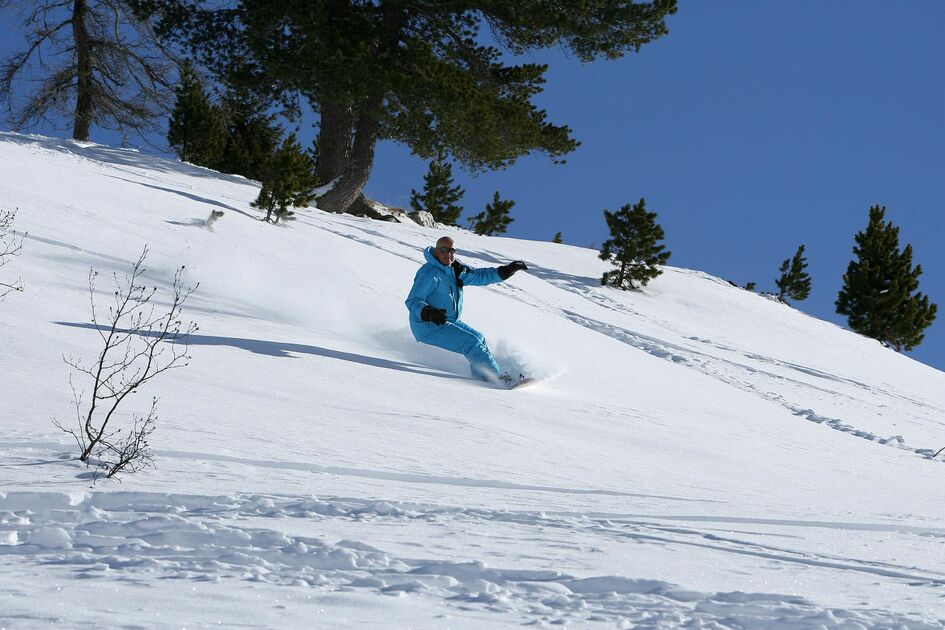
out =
column 525, row 382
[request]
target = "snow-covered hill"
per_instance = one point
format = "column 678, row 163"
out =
column 696, row 455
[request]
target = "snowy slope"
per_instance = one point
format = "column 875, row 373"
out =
column 696, row 455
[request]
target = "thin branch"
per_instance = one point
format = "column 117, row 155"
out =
column 138, row 343
column 133, row 73
column 10, row 245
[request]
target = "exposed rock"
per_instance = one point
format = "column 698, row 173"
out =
column 424, row 218
column 365, row 207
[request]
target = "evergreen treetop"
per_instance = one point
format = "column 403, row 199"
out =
column 197, row 127
column 288, row 181
column 634, row 247
column 252, row 137
column 879, row 294
column 236, row 136
column 794, row 282
column 495, row 218
column 439, row 197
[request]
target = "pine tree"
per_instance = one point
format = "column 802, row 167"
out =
column 197, row 128
column 288, row 181
column 879, row 294
column 794, row 281
column 557, row 238
column 633, row 247
column 495, row 219
column 251, row 137
column 238, row 136
column 423, row 74
column 439, row 196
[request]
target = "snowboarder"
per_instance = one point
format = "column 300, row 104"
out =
column 436, row 305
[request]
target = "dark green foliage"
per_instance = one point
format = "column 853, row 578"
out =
column 197, row 128
column 794, row 282
column 237, row 136
column 288, row 179
column 439, row 196
column 416, row 72
column 495, row 219
column 879, row 294
column 557, row 238
column 251, row 137
column 750, row 286
column 633, row 247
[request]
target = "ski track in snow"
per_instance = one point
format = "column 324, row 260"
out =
column 135, row 535
column 710, row 365
column 728, row 371
column 725, row 370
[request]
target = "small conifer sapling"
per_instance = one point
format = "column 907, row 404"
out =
column 634, row 247
column 440, row 197
column 288, row 182
column 794, row 282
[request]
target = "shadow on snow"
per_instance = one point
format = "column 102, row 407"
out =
column 289, row 350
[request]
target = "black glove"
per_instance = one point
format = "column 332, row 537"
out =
column 432, row 314
column 506, row 271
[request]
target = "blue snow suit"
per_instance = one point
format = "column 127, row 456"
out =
column 436, row 285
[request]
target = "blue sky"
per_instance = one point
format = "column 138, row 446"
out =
column 753, row 127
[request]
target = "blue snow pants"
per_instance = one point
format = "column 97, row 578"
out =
column 462, row 338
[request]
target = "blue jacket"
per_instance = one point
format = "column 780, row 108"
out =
column 435, row 285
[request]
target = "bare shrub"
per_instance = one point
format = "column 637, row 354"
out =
column 10, row 246
column 139, row 341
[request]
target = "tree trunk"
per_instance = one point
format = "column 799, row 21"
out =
column 357, row 170
column 83, row 51
column 334, row 140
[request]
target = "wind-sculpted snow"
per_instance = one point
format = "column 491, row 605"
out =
column 128, row 535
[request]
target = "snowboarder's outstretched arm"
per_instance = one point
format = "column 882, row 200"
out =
column 490, row 275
